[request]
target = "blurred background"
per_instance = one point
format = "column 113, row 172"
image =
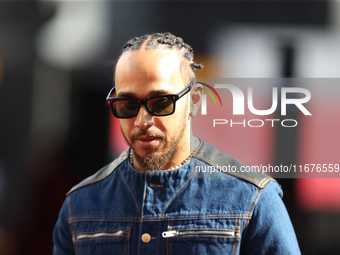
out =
column 56, row 61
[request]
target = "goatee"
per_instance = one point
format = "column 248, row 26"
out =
column 152, row 160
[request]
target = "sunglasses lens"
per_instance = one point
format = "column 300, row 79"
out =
column 161, row 106
column 125, row 108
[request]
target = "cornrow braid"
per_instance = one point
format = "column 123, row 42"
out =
column 166, row 40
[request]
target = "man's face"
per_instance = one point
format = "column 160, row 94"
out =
column 157, row 142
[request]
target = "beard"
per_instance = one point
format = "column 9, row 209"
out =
column 153, row 161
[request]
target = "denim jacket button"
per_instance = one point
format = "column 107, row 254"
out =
column 146, row 238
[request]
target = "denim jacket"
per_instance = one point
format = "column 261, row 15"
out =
column 191, row 210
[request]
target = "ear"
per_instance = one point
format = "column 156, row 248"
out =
column 195, row 99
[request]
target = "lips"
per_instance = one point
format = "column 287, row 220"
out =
column 147, row 141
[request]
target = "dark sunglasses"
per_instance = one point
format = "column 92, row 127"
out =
column 128, row 107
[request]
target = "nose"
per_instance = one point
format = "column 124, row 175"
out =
column 144, row 119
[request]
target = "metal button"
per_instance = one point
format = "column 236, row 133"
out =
column 146, row 238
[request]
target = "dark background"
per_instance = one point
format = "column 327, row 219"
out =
column 54, row 124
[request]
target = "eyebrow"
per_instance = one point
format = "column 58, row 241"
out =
column 151, row 93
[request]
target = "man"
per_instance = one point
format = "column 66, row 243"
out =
column 152, row 199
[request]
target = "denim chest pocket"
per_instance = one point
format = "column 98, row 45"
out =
column 101, row 237
column 211, row 236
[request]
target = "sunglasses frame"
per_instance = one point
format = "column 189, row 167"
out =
column 175, row 97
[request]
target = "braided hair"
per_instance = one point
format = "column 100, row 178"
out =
column 167, row 41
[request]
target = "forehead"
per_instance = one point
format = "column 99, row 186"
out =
column 147, row 68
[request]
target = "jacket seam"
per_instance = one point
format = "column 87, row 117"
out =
column 162, row 217
column 260, row 184
column 250, row 206
column 234, row 239
column 239, row 230
column 134, row 199
column 176, row 193
column 75, row 243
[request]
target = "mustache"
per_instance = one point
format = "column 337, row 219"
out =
column 147, row 133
